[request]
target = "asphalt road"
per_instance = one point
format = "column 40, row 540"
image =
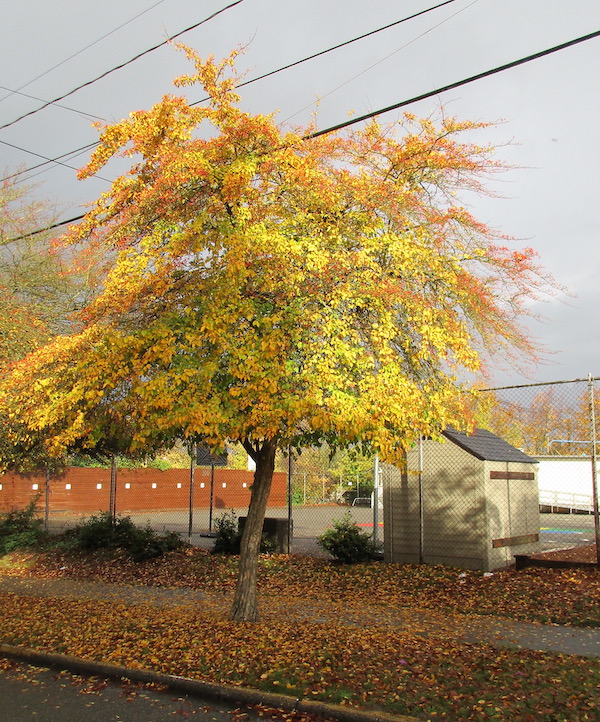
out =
column 45, row 695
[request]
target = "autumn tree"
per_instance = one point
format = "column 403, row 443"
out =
column 554, row 420
column 281, row 290
column 581, row 428
column 323, row 474
column 353, row 471
column 37, row 292
column 38, row 295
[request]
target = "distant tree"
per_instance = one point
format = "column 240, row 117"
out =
column 279, row 292
column 549, row 423
column 582, row 422
column 486, row 410
column 37, row 293
column 353, row 471
column 547, row 419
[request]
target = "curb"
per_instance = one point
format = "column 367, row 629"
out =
column 205, row 690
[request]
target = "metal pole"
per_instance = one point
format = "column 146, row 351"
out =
column 289, row 530
column 421, row 515
column 47, row 500
column 113, row 489
column 212, row 494
column 191, row 509
column 594, row 475
column 376, row 501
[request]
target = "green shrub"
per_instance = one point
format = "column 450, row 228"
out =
column 120, row 533
column 268, row 544
column 346, row 542
column 20, row 528
column 228, row 536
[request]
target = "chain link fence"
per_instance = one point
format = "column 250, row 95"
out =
column 557, row 425
column 472, row 501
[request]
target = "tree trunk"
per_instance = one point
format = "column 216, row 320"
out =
column 245, row 606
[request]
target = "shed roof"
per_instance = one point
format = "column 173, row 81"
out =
column 484, row 445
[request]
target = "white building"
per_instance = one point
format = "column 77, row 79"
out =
column 565, row 483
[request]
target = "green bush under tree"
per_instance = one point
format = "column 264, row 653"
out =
column 21, row 528
column 346, row 542
column 228, row 536
column 121, row 534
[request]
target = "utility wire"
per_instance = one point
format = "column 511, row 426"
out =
column 302, row 60
column 335, row 47
column 48, row 160
column 75, row 152
column 72, row 157
column 290, row 65
column 395, row 106
column 74, row 55
column 451, row 86
column 121, row 66
column 41, row 100
column 50, row 227
column 387, row 57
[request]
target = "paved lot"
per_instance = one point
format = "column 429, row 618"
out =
column 557, row 531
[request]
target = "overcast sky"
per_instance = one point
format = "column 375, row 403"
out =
column 550, row 107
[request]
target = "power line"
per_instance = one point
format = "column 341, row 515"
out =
column 47, row 160
column 75, row 152
column 74, row 55
column 50, row 227
column 396, row 106
column 73, row 155
column 387, row 57
column 451, row 86
column 121, row 66
column 294, row 64
column 335, row 47
column 41, row 100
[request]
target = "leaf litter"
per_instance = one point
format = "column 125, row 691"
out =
column 350, row 635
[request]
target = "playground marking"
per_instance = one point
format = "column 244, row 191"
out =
column 561, row 531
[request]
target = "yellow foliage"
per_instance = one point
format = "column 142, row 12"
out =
column 265, row 287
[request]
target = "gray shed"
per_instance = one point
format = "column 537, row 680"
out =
column 470, row 501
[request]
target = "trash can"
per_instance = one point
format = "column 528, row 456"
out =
column 279, row 532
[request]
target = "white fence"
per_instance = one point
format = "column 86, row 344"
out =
column 553, row 501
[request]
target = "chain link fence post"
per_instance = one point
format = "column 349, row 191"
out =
column 290, row 520
column 47, row 500
column 191, row 496
column 594, row 470
column 376, row 501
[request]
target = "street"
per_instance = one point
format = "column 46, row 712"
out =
column 46, row 695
